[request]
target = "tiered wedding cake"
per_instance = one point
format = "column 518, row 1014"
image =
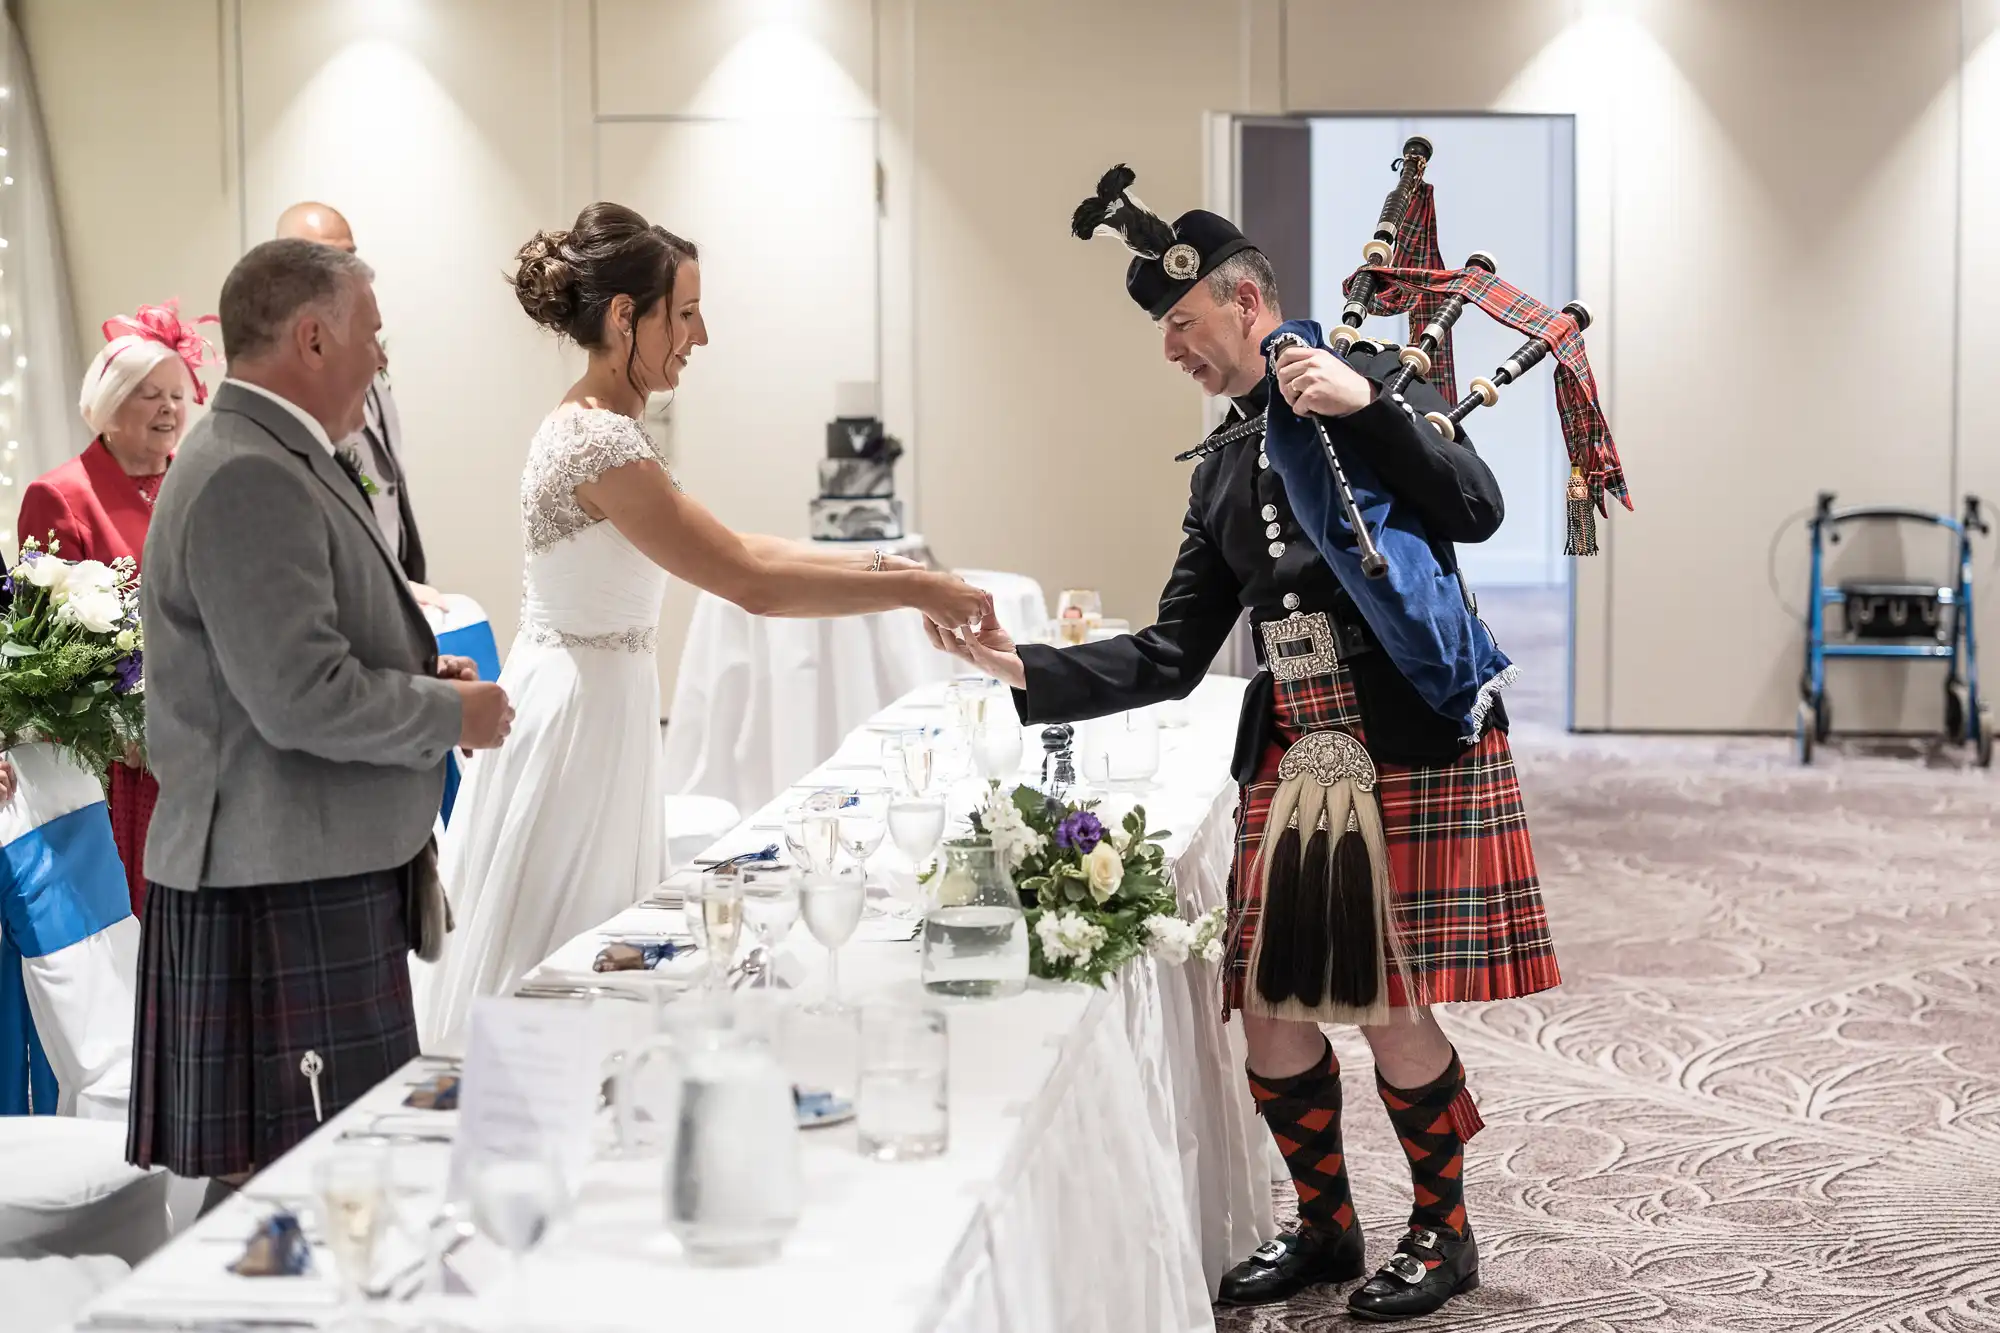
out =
column 857, row 478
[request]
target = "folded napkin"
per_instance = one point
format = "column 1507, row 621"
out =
column 634, row 955
column 277, row 1248
column 439, row 1092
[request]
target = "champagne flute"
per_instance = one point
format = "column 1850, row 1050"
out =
column 715, row 899
column 919, row 757
column 820, row 833
column 916, row 826
column 353, row 1188
column 832, row 907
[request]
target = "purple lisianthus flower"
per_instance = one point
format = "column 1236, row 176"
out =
column 1079, row 833
column 129, row 670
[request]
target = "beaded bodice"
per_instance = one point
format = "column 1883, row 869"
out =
column 585, row 585
column 575, row 446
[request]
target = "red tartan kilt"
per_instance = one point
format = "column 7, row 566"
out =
column 1467, row 899
column 133, row 792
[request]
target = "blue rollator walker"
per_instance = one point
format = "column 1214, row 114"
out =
column 1896, row 620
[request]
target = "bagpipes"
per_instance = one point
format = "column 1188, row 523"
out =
column 1402, row 270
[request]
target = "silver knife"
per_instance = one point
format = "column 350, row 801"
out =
column 167, row 1323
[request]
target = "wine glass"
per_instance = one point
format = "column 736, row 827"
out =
column 862, row 828
column 813, row 836
column 353, row 1188
column 770, row 909
column 831, row 905
column 996, row 749
column 916, row 826
column 516, row 1201
column 714, row 912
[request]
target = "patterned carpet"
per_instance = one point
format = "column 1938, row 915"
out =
column 1767, row 1096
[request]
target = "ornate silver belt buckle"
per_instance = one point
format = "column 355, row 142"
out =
column 1299, row 646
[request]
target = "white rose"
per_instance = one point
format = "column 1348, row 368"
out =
column 126, row 641
column 98, row 612
column 91, row 576
column 1105, row 869
column 1211, row 952
column 46, row 571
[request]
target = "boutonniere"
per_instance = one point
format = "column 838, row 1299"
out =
column 349, row 459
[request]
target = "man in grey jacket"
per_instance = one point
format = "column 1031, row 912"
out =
column 298, row 718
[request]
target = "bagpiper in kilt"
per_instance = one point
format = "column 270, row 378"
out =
column 1383, row 863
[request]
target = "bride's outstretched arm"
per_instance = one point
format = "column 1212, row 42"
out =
column 853, row 555
column 680, row 536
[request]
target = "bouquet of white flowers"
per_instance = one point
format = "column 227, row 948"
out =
column 1094, row 898
column 72, row 657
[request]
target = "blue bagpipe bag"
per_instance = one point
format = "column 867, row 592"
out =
column 1417, row 610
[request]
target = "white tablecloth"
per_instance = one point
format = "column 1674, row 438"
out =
column 759, row 701
column 1105, row 1165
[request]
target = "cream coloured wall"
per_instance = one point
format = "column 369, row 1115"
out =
column 1757, row 185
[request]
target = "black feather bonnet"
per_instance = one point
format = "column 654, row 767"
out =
column 1167, row 260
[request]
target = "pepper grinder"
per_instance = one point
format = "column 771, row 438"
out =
column 1058, row 768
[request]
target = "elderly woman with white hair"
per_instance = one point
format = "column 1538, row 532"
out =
column 98, row 505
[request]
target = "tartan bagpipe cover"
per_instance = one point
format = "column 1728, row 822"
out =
column 1415, row 280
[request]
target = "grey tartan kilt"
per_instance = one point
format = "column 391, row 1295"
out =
column 236, row 986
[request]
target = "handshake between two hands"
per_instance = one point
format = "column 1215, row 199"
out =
column 962, row 624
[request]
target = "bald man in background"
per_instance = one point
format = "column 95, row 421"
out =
column 374, row 451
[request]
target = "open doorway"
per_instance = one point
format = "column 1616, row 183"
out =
column 1310, row 189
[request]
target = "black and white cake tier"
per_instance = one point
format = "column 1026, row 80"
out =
column 857, row 478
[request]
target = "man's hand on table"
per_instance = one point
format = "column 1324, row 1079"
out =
column 990, row 648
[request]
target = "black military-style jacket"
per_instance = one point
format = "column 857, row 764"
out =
column 1242, row 549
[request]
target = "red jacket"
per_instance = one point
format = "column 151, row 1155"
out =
column 91, row 506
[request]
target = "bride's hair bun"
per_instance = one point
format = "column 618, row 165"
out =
column 545, row 282
column 567, row 280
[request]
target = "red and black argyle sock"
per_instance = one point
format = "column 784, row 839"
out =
column 1303, row 1112
column 1434, row 1122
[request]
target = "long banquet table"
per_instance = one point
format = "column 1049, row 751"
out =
column 1105, row 1166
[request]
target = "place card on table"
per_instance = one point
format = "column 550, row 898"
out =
column 533, row 1070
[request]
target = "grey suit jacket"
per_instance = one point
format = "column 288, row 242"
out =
column 292, row 717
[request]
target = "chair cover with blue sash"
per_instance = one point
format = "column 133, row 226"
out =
column 70, row 956
column 463, row 630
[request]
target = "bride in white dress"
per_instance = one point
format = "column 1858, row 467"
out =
column 561, row 828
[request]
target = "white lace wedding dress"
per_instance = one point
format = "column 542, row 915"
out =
column 560, row 827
